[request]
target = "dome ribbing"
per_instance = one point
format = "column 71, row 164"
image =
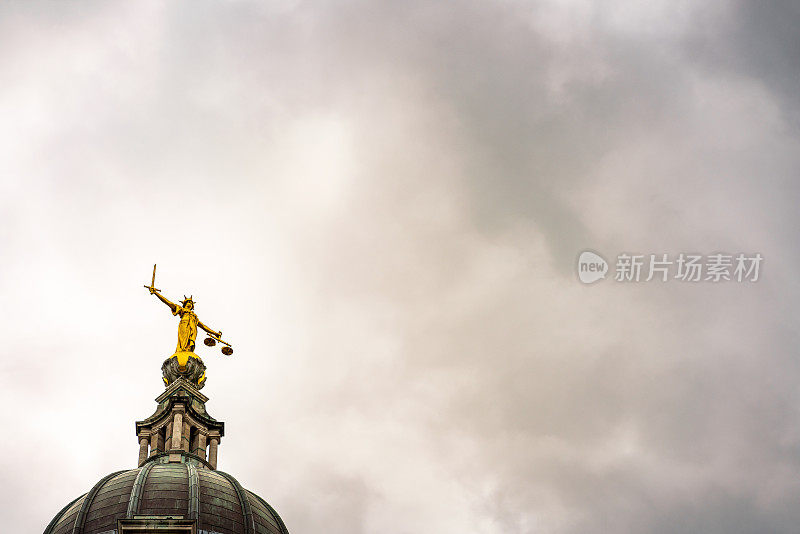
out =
column 185, row 490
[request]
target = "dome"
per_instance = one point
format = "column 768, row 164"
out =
column 168, row 494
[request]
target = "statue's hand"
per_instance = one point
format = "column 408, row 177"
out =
column 219, row 334
column 152, row 290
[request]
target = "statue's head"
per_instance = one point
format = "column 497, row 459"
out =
column 187, row 303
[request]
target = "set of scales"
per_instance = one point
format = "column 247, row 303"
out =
column 185, row 363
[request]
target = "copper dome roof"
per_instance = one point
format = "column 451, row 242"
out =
column 187, row 490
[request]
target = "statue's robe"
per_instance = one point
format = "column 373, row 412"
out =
column 187, row 329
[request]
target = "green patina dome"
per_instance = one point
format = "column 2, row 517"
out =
column 188, row 490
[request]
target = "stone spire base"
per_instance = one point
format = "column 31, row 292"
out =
column 180, row 427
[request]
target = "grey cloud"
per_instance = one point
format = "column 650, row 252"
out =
column 758, row 41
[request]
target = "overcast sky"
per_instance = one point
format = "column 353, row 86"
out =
column 381, row 204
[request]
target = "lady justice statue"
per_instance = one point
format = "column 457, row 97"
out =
column 185, row 363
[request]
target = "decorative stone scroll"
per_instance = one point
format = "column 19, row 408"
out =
column 193, row 370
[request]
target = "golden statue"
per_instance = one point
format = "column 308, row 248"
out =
column 187, row 329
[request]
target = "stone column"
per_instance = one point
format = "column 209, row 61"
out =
column 177, row 429
column 187, row 432
column 154, row 442
column 212, row 451
column 201, row 445
column 144, row 441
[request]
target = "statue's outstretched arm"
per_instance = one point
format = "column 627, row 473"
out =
column 172, row 305
column 207, row 329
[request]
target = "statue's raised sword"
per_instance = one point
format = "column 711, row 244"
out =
column 151, row 287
